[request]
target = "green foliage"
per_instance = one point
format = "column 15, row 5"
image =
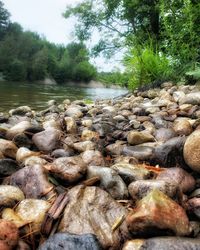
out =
column 145, row 65
column 114, row 77
column 84, row 71
column 16, row 71
column 39, row 66
column 116, row 21
column 180, row 35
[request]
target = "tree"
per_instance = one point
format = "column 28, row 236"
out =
column 118, row 21
column 39, row 66
column 4, row 20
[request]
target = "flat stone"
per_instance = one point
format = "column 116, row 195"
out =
column 92, row 210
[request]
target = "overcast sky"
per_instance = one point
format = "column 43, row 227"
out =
column 45, row 17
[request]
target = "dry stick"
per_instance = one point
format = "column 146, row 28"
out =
column 54, row 213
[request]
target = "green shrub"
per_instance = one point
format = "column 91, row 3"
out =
column 145, row 65
column 84, row 71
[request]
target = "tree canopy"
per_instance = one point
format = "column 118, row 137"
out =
column 24, row 55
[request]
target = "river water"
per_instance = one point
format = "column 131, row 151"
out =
column 14, row 94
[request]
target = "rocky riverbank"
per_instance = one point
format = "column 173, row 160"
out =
column 115, row 174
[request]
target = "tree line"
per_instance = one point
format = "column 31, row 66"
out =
column 26, row 56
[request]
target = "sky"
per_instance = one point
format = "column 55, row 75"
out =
column 45, row 18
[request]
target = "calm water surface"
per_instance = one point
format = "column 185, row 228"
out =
column 14, row 94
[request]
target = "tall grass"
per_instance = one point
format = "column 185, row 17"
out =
column 146, row 65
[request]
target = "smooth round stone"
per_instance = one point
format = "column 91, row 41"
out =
column 191, row 151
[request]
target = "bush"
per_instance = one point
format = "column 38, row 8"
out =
column 84, row 71
column 144, row 65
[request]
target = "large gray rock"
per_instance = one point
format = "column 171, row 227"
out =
column 33, row 181
column 47, row 140
column 65, row 241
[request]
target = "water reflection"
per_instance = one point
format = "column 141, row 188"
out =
column 13, row 94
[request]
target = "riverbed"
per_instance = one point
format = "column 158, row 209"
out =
column 35, row 95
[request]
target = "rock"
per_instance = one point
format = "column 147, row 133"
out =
column 193, row 206
column 8, row 148
column 71, row 126
column 164, row 134
column 92, row 210
column 87, row 123
column 47, row 140
column 93, row 158
column 184, row 180
column 74, row 112
column 182, row 127
column 135, row 138
column 133, row 244
column 3, row 118
column 29, row 211
column 21, row 140
column 84, row 146
column 141, row 188
column 24, row 153
column 65, row 241
column 23, row 110
column 51, row 124
column 9, row 235
column 62, row 153
column 68, row 169
column 10, row 195
column 17, row 129
column 131, row 172
column 178, row 95
column 8, row 167
column 1, row 156
column 191, row 151
column 192, row 98
column 140, row 152
column 157, row 214
column 175, row 243
column 88, row 135
column 34, row 160
column 170, row 153
column 51, row 103
column 115, row 148
column 33, row 181
column 109, row 180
